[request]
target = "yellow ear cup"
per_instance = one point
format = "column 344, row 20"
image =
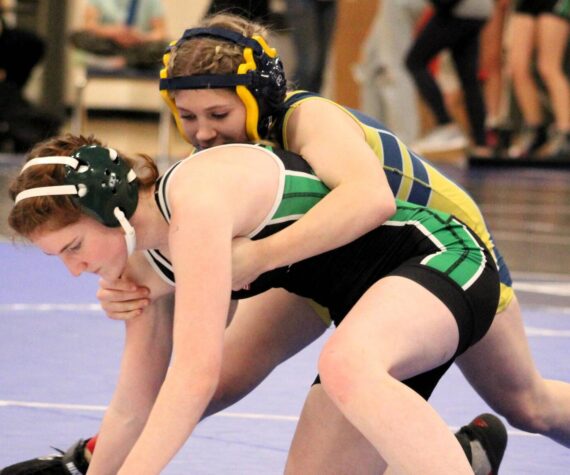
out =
column 167, row 95
column 271, row 52
column 248, row 99
column 251, row 106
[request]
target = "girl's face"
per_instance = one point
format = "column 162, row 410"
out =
column 86, row 246
column 211, row 116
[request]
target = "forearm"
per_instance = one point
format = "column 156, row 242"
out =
column 143, row 369
column 345, row 214
column 178, row 408
column 116, row 438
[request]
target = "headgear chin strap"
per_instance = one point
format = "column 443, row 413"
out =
column 99, row 182
column 259, row 82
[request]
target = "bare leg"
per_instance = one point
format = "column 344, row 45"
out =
column 277, row 325
column 501, row 369
column 520, row 55
column 325, row 443
column 491, row 61
column 552, row 41
column 383, row 340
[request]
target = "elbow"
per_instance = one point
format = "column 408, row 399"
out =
column 210, row 384
column 382, row 206
column 204, row 380
column 390, row 208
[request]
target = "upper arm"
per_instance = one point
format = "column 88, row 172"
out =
column 213, row 198
column 200, row 245
column 334, row 144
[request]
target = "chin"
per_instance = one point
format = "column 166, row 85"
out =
column 110, row 275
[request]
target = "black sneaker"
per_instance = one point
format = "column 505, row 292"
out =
column 491, row 434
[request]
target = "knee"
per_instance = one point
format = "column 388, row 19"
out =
column 548, row 72
column 519, row 69
column 526, row 413
column 336, row 371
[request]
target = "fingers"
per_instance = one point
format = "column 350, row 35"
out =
column 122, row 299
column 122, row 283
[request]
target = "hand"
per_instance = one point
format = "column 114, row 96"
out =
column 248, row 262
column 126, row 36
column 122, row 299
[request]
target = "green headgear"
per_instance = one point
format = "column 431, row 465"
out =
column 101, row 183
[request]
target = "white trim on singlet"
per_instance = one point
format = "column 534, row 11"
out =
column 152, row 255
column 420, row 227
column 278, row 196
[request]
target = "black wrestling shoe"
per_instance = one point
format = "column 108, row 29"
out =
column 487, row 438
column 71, row 462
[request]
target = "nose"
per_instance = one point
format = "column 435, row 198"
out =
column 205, row 133
column 75, row 266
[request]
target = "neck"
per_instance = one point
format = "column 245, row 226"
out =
column 150, row 225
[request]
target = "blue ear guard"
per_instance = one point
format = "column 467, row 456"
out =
column 259, row 82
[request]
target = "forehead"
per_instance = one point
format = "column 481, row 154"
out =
column 192, row 99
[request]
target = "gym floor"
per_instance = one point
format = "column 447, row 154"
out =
column 59, row 355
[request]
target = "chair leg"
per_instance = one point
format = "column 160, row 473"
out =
column 78, row 113
column 163, row 155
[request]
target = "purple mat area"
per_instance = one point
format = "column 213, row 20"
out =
column 57, row 355
column 30, row 276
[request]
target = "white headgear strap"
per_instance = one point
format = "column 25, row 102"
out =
column 80, row 190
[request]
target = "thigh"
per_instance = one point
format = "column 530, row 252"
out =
column 552, row 40
column 465, row 51
column 275, row 324
column 501, row 365
column 522, row 44
column 432, row 39
column 397, row 326
column 492, row 38
column 325, row 443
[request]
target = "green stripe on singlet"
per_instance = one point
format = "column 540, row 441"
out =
column 301, row 192
column 460, row 257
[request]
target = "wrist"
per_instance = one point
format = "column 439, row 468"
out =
column 267, row 254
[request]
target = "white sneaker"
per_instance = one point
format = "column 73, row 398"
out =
column 443, row 138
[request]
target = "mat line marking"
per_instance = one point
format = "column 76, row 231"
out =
column 99, row 408
column 233, row 415
column 561, row 289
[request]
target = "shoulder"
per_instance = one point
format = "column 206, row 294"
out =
column 233, row 172
column 231, row 160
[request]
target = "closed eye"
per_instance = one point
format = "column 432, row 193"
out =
column 75, row 247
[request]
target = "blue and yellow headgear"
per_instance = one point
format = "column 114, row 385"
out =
column 259, row 81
